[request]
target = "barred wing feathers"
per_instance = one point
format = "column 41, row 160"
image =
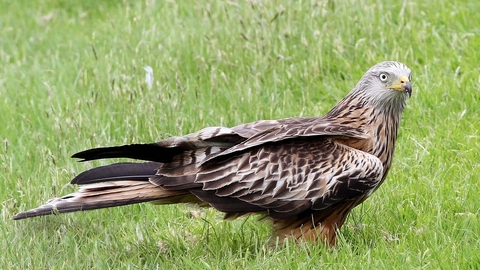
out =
column 288, row 178
column 283, row 169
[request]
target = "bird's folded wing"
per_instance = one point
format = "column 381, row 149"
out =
column 219, row 139
column 285, row 179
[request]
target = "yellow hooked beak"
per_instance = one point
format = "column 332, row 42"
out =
column 403, row 85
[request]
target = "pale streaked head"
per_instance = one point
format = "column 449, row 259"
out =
column 386, row 84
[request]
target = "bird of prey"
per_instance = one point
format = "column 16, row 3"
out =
column 303, row 174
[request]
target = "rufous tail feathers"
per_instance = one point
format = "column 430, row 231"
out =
column 110, row 186
column 103, row 195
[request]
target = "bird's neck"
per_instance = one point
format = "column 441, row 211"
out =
column 379, row 122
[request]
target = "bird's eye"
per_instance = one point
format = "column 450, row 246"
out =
column 383, row 77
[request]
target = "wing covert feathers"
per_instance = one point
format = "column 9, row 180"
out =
column 288, row 179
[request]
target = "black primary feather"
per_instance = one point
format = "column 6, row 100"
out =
column 147, row 152
column 116, row 172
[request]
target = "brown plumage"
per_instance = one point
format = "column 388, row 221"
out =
column 304, row 174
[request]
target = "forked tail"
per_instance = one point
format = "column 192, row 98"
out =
column 103, row 195
column 110, row 186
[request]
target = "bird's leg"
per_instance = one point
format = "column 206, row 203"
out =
column 313, row 228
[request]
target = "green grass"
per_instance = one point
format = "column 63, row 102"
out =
column 72, row 78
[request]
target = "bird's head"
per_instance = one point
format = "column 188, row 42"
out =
column 386, row 84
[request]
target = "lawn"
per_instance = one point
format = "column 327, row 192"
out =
column 72, row 77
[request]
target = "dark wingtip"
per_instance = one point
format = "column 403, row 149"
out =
column 78, row 155
column 96, row 153
column 148, row 152
column 119, row 171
